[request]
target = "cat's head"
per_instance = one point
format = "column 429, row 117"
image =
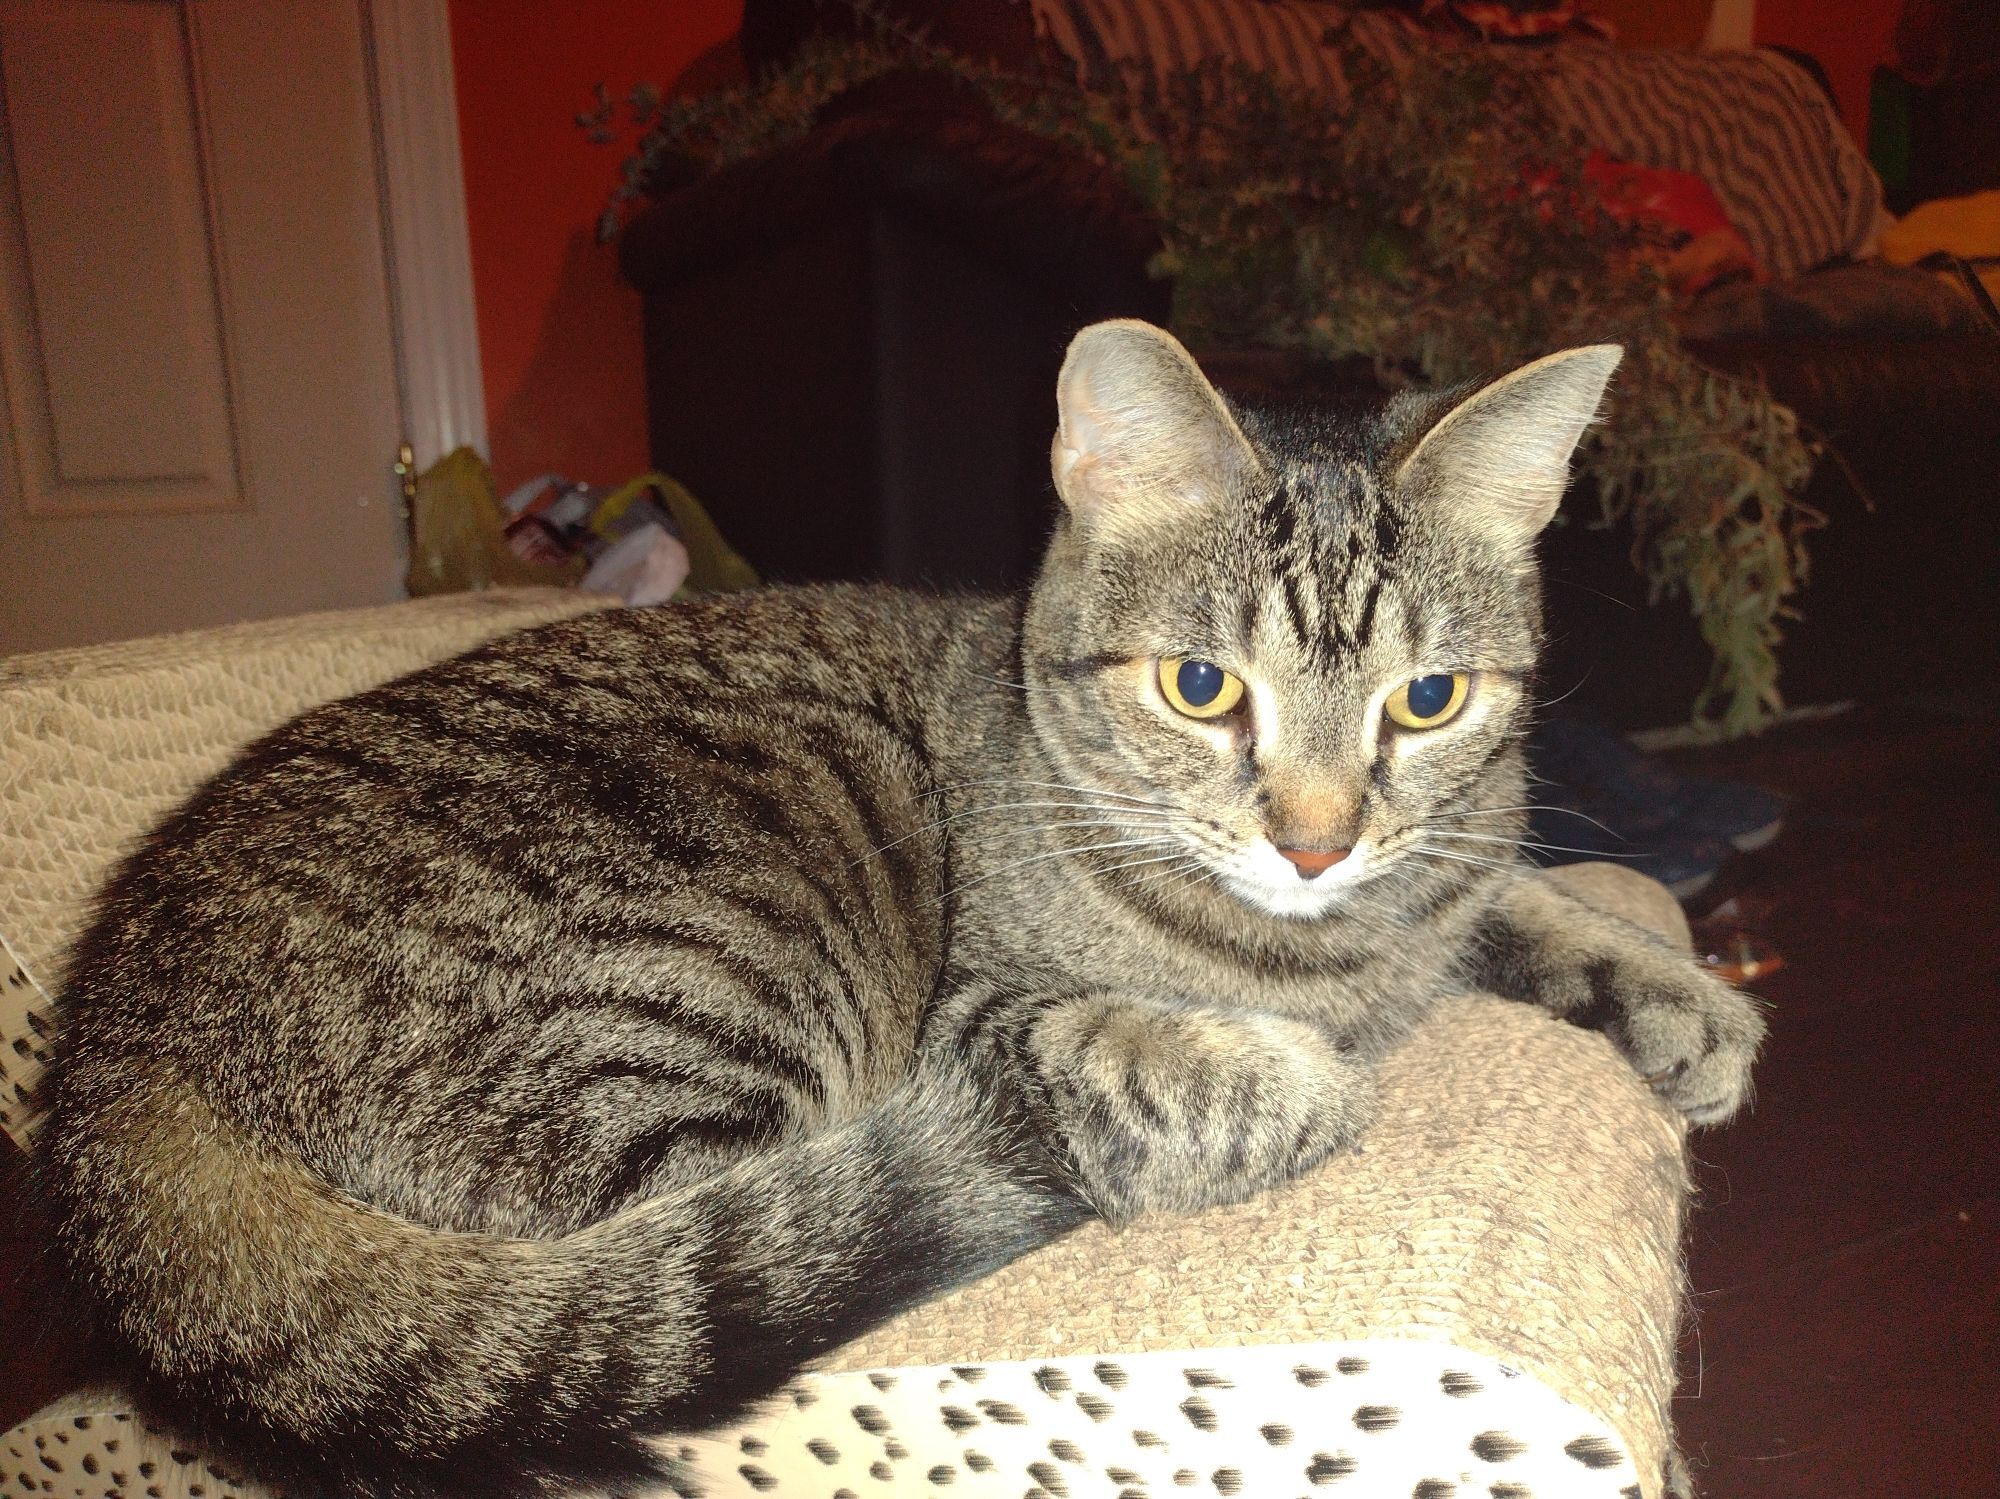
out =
column 1293, row 648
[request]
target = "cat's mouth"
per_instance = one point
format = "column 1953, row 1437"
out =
column 1279, row 883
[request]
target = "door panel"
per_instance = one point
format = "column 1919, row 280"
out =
column 113, row 335
column 195, row 333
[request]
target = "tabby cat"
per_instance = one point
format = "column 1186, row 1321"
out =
column 564, row 1044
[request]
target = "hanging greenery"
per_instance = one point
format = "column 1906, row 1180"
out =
column 1435, row 222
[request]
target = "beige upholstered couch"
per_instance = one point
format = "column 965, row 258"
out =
column 1482, row 1300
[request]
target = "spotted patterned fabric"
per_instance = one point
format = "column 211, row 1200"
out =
column 1364, row 1418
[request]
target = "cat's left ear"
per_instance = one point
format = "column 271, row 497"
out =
column 1501, row 456
column 1143, row 440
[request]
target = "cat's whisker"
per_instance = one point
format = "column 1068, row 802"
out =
column 1063, row 825
column 1474, row 860
column 1201, row 869
column 1091, row 791
column 1529, row 807
column 1137, row 863
column 1003, row 682
column 1135, row 813
column 1539, row 847
column 1056, row 853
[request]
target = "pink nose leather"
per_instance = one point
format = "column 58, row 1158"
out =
column 1312, row 862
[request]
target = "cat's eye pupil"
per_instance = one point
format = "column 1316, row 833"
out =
column 1200, row 682
column 1430, row 696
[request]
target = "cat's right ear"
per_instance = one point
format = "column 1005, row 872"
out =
column 1142, row 438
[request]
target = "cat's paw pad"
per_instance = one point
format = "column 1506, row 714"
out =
column 1692, row 1038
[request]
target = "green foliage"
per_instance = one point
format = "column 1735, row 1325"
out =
column 1435, row 223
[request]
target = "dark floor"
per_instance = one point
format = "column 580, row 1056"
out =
column 1845, row 1257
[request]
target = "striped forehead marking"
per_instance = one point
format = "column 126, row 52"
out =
column 1329, row 568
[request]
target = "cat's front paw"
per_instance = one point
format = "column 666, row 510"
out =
column 1691, row 1036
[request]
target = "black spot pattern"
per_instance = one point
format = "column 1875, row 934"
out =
column 1094, row 1406
column 942, row 1474
column 1227, row 1480
column 870, row 1419
column 1352, row 1365
column 1497, row 1447
column 1277, row 1434
column 1460, row 1385
column 1200, row 1414
column 1377, row 1417
column 1049, row 1478
column 957, row 1419
column 1208, row 1379
column 1004, row 1414
column 1593, row 1452
column 970, row 1373
column 1187, row 1478
column 1310, row 1377
column 1067, row 1451
column 979, row 1462
column 757, row 1478
column 894, row 1450
column 1434, row 1488
column 750, row 1447
column 1328, row 1466
column 1052, row 1380
column 881, row 1471
column 1511, row 1491
column 1111, row 1376
column 824, row 1450
column 1144, row 1438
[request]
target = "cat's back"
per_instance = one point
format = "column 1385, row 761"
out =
column 441, row 883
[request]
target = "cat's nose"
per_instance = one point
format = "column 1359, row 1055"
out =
column 1311, row 863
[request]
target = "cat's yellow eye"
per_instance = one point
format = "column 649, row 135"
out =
column 1200, row 689
column 1426, row 702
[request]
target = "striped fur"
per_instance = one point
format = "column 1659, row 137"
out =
column 561, row 1046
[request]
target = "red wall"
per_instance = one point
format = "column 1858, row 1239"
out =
column 1849, row 37
column 558, row 332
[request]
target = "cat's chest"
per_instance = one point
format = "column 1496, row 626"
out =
column 1368, row 979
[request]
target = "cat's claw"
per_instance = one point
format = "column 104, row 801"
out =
column 1692, row 1039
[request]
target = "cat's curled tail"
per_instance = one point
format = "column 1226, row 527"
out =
column 347, row 1351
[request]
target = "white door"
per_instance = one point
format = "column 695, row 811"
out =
column 197, row 354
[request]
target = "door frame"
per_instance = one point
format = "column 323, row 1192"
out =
column 427, row 248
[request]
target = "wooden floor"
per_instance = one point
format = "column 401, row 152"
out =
column 1845, row 1256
